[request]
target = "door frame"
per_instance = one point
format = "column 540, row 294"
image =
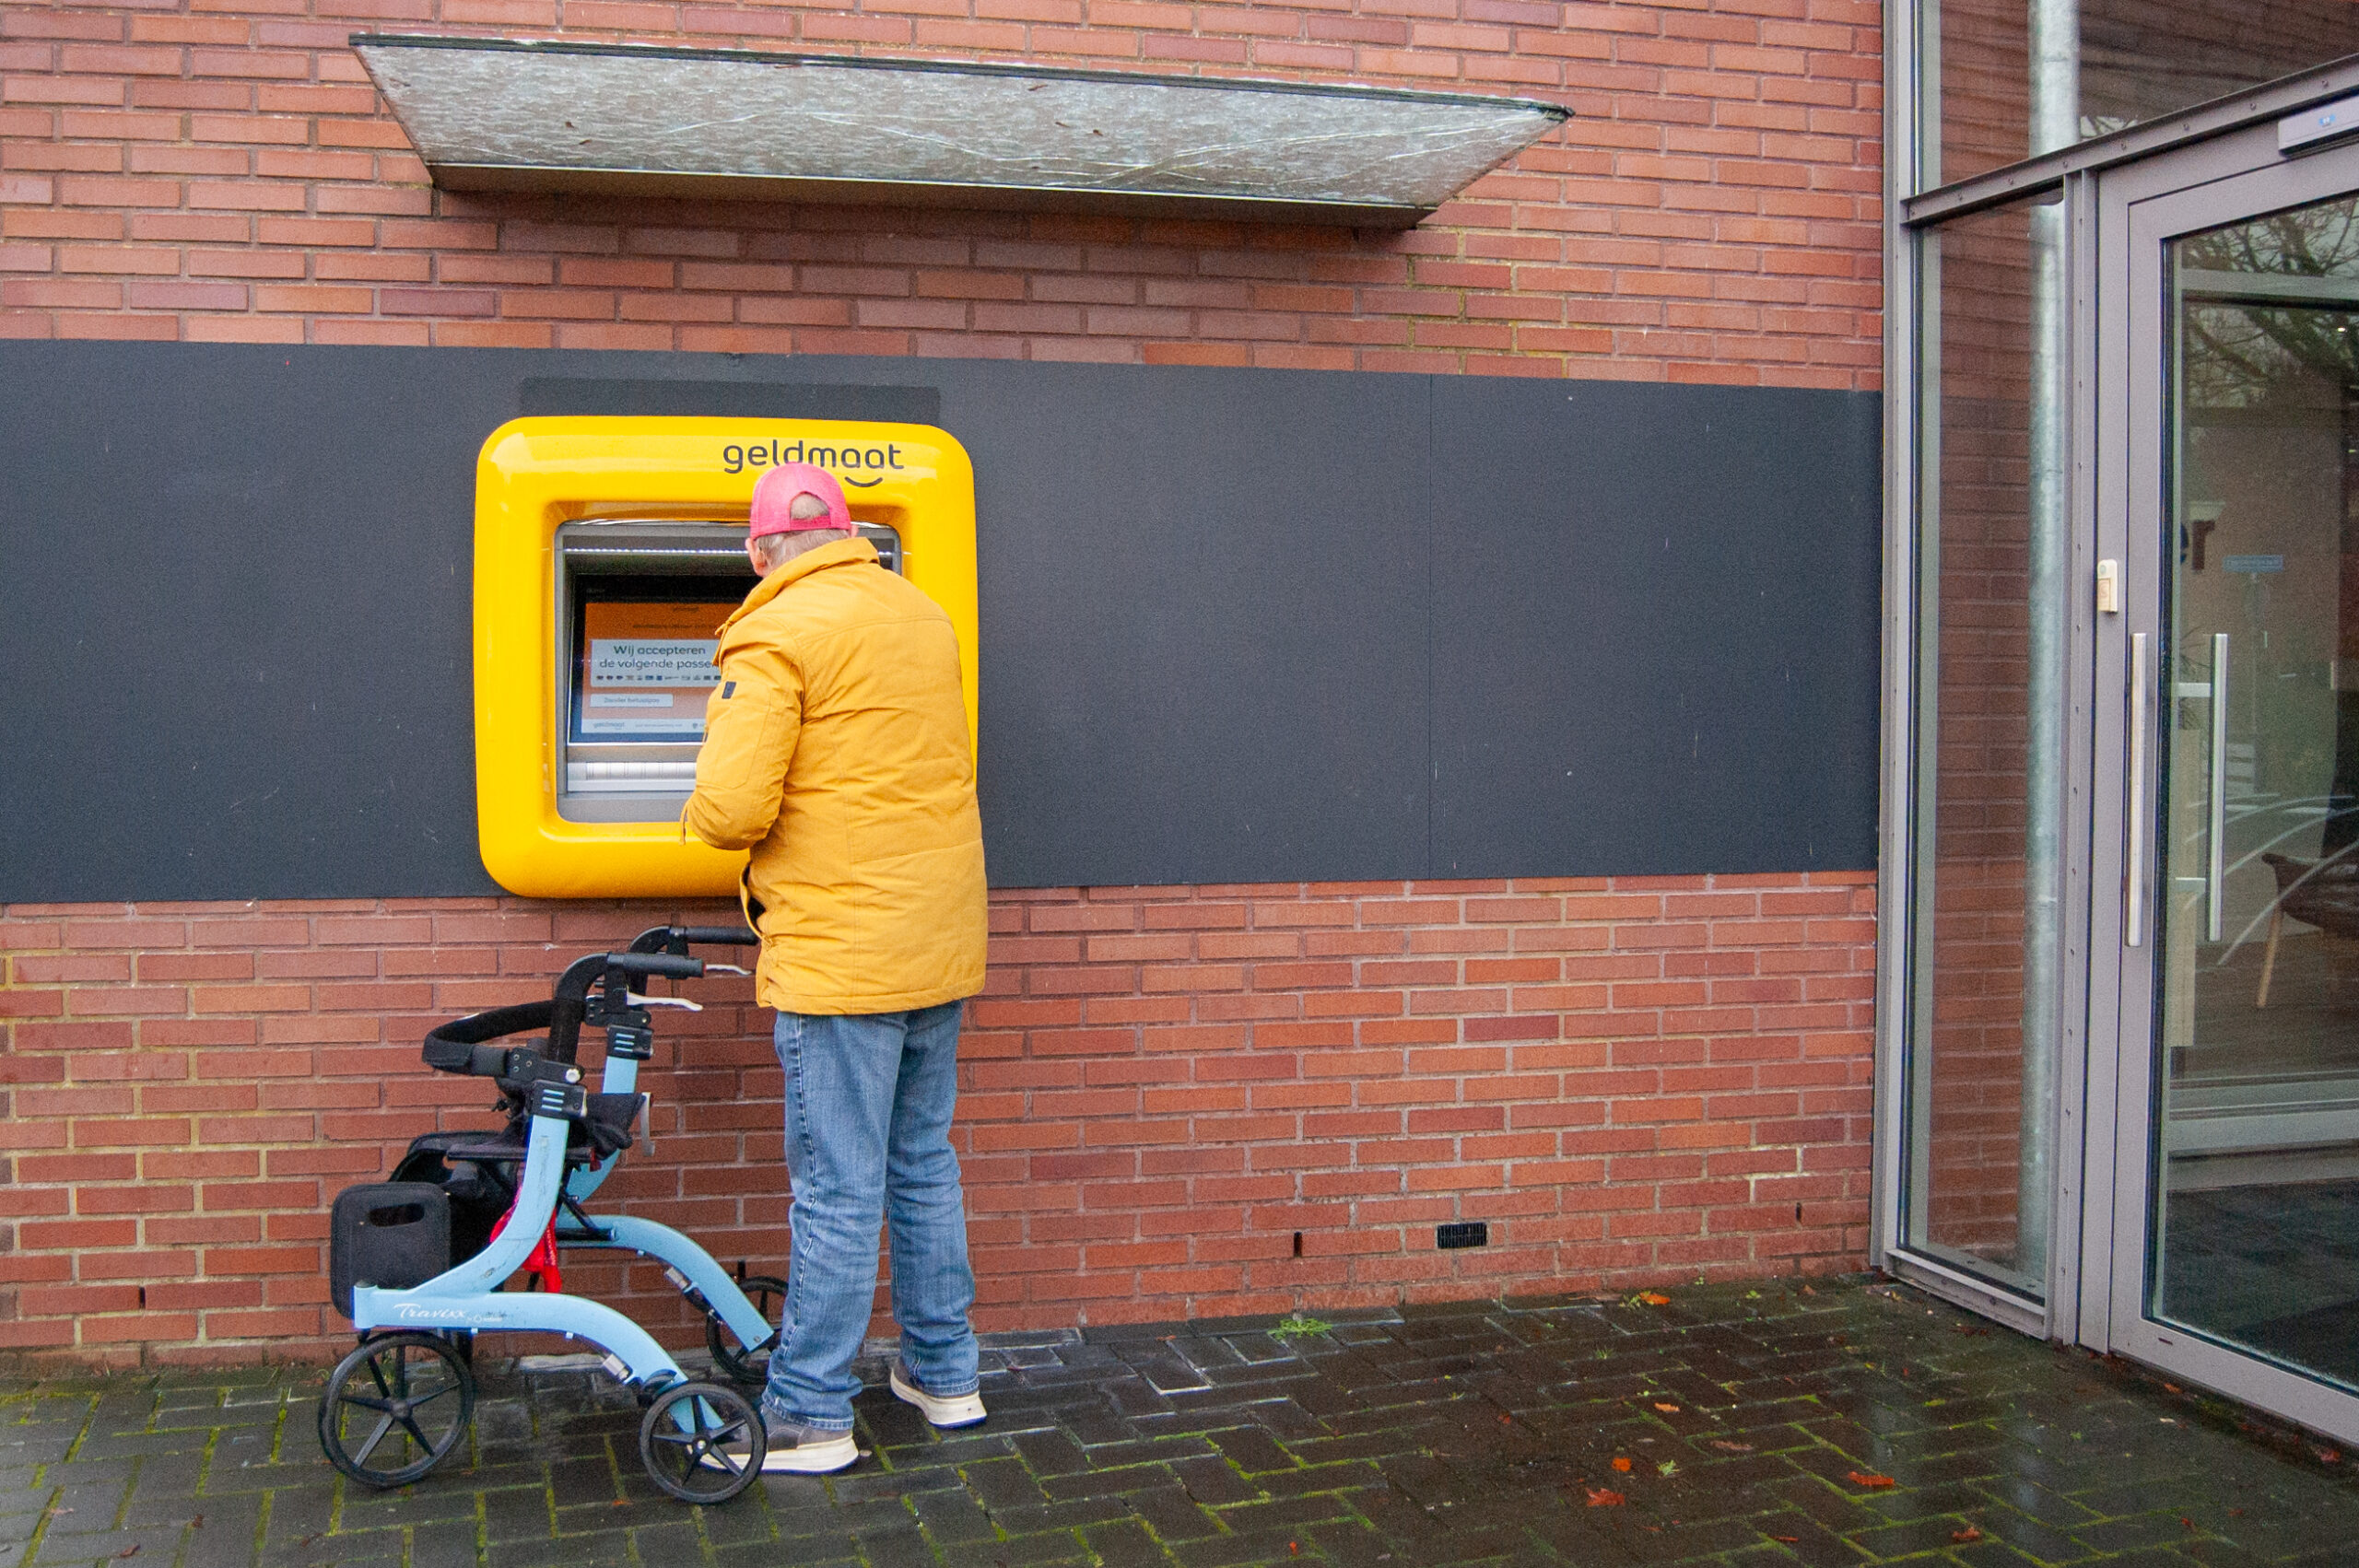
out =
column 2098, row 1190
column 2140, row 207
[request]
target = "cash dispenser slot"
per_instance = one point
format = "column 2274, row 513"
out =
column 640, row 603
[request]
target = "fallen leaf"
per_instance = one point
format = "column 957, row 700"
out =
column 1622, row 1463
column 2171, row 1388
column 1968, row 1534
column 1722, row 1442
column 129, row 1551
column 1673, row 1410
column 1667, row 1468
column 1605, row 1497
column 1654, row 1298
column 1505, row 1421
column 1859, row 1479
column 1788, row 1539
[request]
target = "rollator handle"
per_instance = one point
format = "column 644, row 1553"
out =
column 678, row 940
column 719, row 936
column 678, row 967
column 570, row 1007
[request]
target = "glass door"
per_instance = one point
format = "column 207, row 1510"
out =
column 2235, row 1249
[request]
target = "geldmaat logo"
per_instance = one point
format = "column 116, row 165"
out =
column 846, row 462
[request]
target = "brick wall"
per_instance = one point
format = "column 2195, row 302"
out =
column 225, row 173
column 1633, row 1081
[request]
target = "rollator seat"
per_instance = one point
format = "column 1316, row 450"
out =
column 605, row 1129
column 468, row 1047
column 478, row 1169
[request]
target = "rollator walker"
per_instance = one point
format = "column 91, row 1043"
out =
column 417, row 1262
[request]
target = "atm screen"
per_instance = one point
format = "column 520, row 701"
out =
column 639, row 607
column 642, row 656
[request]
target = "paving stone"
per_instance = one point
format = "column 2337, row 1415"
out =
column 155, row 1546
column 227, row 1533
column 1021, row 1551
column 1173, row 1516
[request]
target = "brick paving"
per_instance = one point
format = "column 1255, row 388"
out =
column 1729, row 1425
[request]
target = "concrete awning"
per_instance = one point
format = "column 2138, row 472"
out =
column 494, row 114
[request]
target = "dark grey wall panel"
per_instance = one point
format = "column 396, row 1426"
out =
column 733, row 400
column 1656, row 610
column 1203, row 625
column 234, row 612
column 1236, row 624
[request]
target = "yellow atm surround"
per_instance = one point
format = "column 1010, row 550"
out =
column 635, row 526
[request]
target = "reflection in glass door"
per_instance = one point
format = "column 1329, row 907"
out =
column 2253, row 1223
column 1979, row 1097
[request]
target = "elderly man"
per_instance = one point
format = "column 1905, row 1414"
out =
column 836, row 749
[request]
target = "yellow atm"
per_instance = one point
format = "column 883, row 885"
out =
column 608, row 551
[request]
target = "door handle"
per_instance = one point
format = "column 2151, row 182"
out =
column 2215, row 902
column 2134, row 912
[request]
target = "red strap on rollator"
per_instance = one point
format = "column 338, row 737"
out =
column 540, row 1269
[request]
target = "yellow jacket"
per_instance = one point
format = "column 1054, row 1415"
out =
column 836, row 749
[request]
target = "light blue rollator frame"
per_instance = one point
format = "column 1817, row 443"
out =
column 467, row 1297
column 709, row 1428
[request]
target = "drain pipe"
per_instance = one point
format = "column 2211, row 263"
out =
column 2054, row 123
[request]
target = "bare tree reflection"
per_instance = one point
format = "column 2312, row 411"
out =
column 2242, row 355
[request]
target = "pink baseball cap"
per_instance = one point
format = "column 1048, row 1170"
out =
column 774, row 495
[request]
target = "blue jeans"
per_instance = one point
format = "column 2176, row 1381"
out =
column 868, row 1104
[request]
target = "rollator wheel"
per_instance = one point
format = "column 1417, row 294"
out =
column 395, row 1408
column 751, row 1367
column 702, row 1442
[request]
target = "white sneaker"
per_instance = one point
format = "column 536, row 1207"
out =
column 941, row 1409
column 798, row 1450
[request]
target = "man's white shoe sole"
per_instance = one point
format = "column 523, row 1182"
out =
column 955, row 1409
column 808, row 1458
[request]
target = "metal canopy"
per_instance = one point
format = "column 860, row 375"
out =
column 492, row 115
